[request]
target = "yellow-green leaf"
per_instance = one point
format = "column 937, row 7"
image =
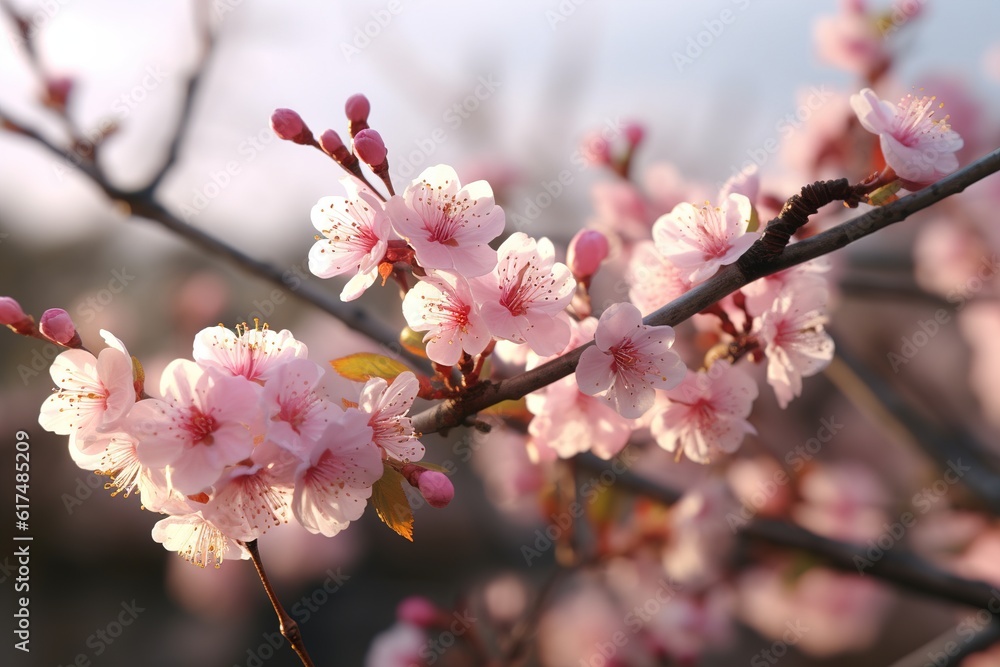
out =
column 362, row 366
column 391, row 503
column 413, row 341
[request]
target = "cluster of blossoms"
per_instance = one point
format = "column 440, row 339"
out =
column 239, row 440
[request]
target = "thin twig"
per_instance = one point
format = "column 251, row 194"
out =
column 729, row 279
column 289, row 628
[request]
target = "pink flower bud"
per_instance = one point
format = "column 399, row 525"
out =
column 596, row 149
column 634, row 133
column 288, row 125
column 57, row 326
column 370, row 148
column 357, row 108
column 11, row 313
column 417, row 610
column 586, row 252
column 436, row 488
column 57, row 90
column 331, row 142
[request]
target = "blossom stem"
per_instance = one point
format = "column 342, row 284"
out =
column 751, row 266
column 289, row 628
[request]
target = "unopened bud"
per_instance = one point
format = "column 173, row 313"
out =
column 57, row 91
column 57, row 326
column 436, row 488
column 417, row 610
column 634, row 133
column 586, row 252
column 288, row 125
column 357, row 109
column 12, row 315
column 370, row 148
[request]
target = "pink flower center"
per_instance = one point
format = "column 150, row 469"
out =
column 515, row 295
column 201, row 427
column 447, row 224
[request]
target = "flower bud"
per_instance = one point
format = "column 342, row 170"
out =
column 634, row 133
column 417, row 610
column 370, row 148
column 57, row 326
column 288, row 125
column 357, row 108
column 57, row 91
column 436, row 488
column 12, row 315
column 586, row 252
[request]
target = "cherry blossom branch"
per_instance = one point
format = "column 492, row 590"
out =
column 754, row 264
column 873, row 396
column 903, row 569
column 142, row 202
column 289, row 628
column 952, row 647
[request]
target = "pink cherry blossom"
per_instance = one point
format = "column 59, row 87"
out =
column 95, row 394
column 567, row 421
column 197, row 540
column 629, row 361
column 851, row 40
column 442, row 305
column 919, row 147
column 761, row 293
column 524, row 298
column 205, row 422
column 587, row 249
column 705, row 415
column 254, row 354
column 253, row 497
column 333, row 485
column 297, row 414
column 449, row 226
column 402, row 645
column 356, row 232
column 653, row 280
column 386, row 406
column 700, row 239
column 701, row 541
column 795, row 342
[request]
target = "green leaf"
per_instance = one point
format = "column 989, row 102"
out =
column 391, row 503
column 363, row 366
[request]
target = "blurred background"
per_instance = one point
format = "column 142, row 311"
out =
column 507, row 93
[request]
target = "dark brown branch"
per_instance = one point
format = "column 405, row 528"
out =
column 289, row 628
column 730, row 278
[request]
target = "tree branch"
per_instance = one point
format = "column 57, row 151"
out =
column 750, row 267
